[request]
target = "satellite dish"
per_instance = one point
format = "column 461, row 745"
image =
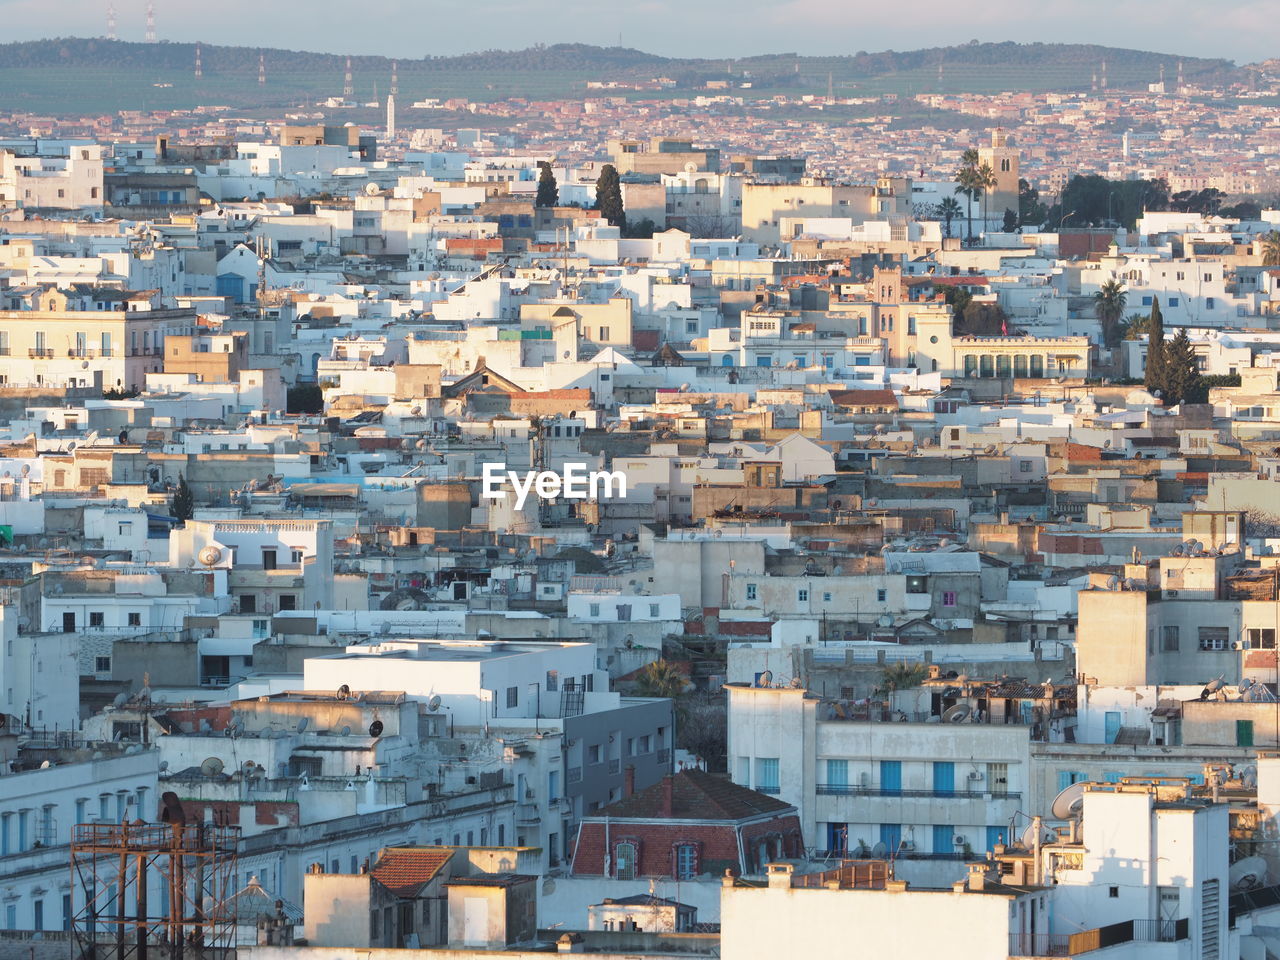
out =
column 211, row 767
column 45, row 765
column 879, row 851
column 345, row 731
column 1067, row 804
column 1028, row 837
column 956, row 714
column 765, row 679
column 209, row 556
column 433, row 704
column 120, row 700
column 164, row 765
column 1248, row 874
column 302, row 724
column 375, row 728
column 344, row 692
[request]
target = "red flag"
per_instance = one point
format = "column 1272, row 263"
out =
column 1004, row 327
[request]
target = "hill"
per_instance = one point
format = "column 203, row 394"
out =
column 75, row 76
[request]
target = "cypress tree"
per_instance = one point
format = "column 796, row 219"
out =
column 548, row 189
column 1155, row 375
column 1182, row 374
column 184, row 504
column 609, row 196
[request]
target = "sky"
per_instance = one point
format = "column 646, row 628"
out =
column 1239, row 30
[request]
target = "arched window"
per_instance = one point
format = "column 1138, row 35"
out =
column 624, row 860
column 1037, row 366
column 986, row 366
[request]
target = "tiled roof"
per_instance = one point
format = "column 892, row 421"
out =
column 696, row 795
column 403, row 870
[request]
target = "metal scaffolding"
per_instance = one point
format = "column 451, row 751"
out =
column 163, row 887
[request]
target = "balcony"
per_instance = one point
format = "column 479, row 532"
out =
column 527, row 813
column 1074, row 944
column 851, row 790
column 573, row 775
column 41, row 353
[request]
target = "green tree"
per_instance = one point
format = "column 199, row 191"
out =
column 980, row 319
column 1135, row 326
column 1010, row 221
column 609, row 196
column 948, row 210
column 1030, row 210
column 660, row 678
column 1154, row 378
column 1271, row 249
column 986, row 180
column 305, row 398
column 1183, row 383
column 548, row 189
column 1108, row 306
column 183, row 505
column 901, row 676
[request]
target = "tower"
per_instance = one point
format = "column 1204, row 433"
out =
column 199, row 63
column 831, row 90
column 1179, row 89
column 111, row 21
column 348, row 88
column 395, row 80
column 262, row 70
column 1103, row 80
column 1003, row 160
column 391, row 116
column 151, row 23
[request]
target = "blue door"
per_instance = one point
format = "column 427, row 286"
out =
column 837, row 838
column 943, row 836
column 891, row 776
column 726, row 360
column 1112, row 722
column 891, row 837
column 997, row 835
column 944, row 778
column 231, row 285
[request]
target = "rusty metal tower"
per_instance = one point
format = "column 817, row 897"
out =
column 111, row 21
column 348, row 87
column 199, row 63
column 262, row 69
column 151, row 23
column 154, row 891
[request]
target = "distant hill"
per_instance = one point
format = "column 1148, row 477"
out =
column 90, row 75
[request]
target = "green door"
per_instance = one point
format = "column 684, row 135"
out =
column 1244, row 733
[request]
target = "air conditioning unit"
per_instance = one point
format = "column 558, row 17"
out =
column 906, row 846
column 1171, row 593
column 1239, row 644
column 959, row 840
column 975, row 776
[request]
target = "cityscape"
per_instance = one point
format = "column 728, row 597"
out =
column 584, row 500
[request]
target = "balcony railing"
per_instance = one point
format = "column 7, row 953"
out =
column 1074, row 944
column 573, row 775
column 856, row 790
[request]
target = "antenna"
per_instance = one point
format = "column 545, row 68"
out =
column 262, row 70
column 111, row 21
column 348, row 88
column 151, row 22
column 199, row 64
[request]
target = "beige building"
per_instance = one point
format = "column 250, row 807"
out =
column 661, row 155
column 69, row 181
column 104, row 349
column 764, row 205
column 1003, row 161
column 603, row 324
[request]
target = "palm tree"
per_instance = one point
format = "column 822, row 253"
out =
column 1271, row 249
column 985, row 179
column 901, row 676
column 1135, row 326
column 660, row 678
column 967, row 184
column 1108, row 306
column 949, row 209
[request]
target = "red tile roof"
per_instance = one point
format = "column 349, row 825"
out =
column 404, row 870
column 696, row 795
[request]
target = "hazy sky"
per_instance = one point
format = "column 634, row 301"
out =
column 1240, row 30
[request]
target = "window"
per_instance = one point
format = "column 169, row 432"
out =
column 101, row 664
column 837, row 773
column 624, row 861
column 1173, row 301
column 594, row 610
column 1067, row 777
column 948, row 598
column 135, row 619
column 1209, row 303
column 248, row 603
column 1262, row 639
column 686, row 861
column 1024, row 466
column 553, row 681
column 653, row 610
column 767, row 774
column 1170, row 638
column 826, row 597
column 1146, row 301
column 593, row 753
column 1113, row 892
column 513, row 697
column 96, row 618
column 882, row 595
column 553, row 786
column 288, row 601
column 751, row 591
column 295, row 556
column 1213, row 638
column 802, row 595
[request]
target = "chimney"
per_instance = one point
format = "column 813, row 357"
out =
column 628, row 781
column 668, row 789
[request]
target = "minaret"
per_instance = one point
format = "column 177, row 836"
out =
column 348, row 88
column 391, row 116
column 151, row 23
column 395, row 80
column 199, row 63
column 1103, row 80
column 1179, row 90
column 111, row 21
column 262, row 70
